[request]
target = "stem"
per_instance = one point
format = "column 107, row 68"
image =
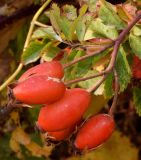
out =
column 117, row 43
column 11, row 77
column 33, row 20
column 112, row 109
column 87, row 56
column 40, row 24
column 120, row 39
column 84, row 78
column 93, row 89
column 26, row 44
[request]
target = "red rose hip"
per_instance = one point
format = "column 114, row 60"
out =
column 94, row 132
column 65, row 112
column 39, row 90
column 61, row 135
column 51, row 69
column 136, row 67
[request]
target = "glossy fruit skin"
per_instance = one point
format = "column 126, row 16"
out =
column 95, row 132
column 52, row 69
column 65, row 112
column 136, row 67
column 61, row 135
column 39, row 90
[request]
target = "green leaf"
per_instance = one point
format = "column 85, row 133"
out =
column 5, row 150
column 65, row 26
column 91, row 82
column 48, row 32
column 108, row 86
column 60, row 23
column 123, row 69
column 83, row 10
column 109, row 16
column 137, row 30
column 66, row 59
column 71, row 56
column 80, row 30
column 54, row 16
column 74, row 25
column 51, row 53
column 137, row 99
column 81, row 67
column 104, row 30
column 70, row 12
column 32, row 114
column 92, row 5
column 135, row 43
column 32, row 52
column 75, row 69
column 43, row 18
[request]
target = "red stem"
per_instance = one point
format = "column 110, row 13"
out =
column 87, row 56
column 112, row 109
column 111, row 65
column 96, row 86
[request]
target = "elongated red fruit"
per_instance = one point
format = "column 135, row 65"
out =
column 51, row 69
column 61, row 135
column 95, row 132
column 39, row 90
column 136, row 67
column 65, row 112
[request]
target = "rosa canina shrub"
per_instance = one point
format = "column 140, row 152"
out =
column 72, row 33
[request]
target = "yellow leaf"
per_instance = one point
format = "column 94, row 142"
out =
column 20, row 136
column 37, row 150
column 15, row 146
column 15, row 117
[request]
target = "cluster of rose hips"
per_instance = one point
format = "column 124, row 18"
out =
column 63, row 108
